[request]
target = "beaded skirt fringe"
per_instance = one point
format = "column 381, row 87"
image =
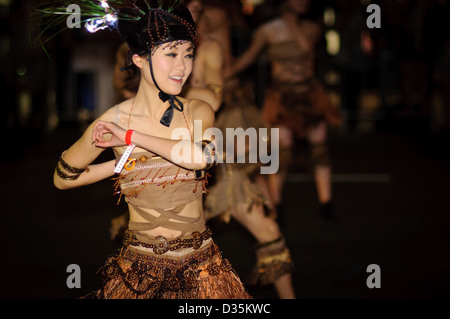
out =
column 273, row 260
column 203, row 274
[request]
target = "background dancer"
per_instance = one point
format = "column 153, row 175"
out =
column 239, row 190
column 295, row 102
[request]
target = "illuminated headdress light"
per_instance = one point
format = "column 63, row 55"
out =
column 104, row 4
column 108, row 21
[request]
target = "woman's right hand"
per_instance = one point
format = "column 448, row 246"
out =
column 117, row 135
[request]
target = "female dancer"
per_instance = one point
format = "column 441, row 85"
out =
column 296, row 102
column 205, row 82
column 168, row 251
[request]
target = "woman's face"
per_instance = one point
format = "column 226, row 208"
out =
column 172, row 64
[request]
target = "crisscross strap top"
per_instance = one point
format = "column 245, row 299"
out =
column 289, row 55
column 151, row 182
column 164, row 187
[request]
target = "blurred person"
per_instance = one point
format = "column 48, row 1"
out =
column 126, row 82
column 219, row 19
column 239, row 191
column 206, row 80
column 168, row 251
column 295, row 102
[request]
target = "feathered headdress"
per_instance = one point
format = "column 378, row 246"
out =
column 158, row 21
column 143, row 24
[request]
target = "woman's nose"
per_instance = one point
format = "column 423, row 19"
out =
column 181, row 64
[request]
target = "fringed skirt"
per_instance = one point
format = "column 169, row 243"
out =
column 299, row 106
column 138, row 273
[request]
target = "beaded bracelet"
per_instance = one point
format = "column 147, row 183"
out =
column 65, row 176
column 68, row 169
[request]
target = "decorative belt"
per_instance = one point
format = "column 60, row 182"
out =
column 162, row 245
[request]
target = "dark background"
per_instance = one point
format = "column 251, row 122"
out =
column 390, row 159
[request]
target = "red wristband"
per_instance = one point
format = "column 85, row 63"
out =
column 128, row 137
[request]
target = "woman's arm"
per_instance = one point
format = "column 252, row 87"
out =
column 249, row 56
column 164, row 147
column 93, row 173
column 80, row 155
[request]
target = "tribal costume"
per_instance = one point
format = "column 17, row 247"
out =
column 188, row 265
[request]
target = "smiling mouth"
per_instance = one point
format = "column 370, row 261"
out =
column 176, row 78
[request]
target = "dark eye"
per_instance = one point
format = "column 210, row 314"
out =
column 190, row 56
column 172, row 55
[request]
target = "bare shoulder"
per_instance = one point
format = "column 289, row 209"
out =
column 273, row 22
column 270, row 29
column 198, row 109
column 271, row 25
column 114, row 112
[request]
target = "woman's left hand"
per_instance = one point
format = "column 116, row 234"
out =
column 102, row 128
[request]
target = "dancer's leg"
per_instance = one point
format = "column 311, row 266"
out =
column 277, row 180
column 273, row 256
column 321, row 166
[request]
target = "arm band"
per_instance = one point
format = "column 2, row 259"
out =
column 209, row 153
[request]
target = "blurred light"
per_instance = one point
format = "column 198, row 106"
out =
column 332, row 77
column 366, row 42
column 104, row 4
column 21, row 70
column 5, row 3
column 248, row 6
column 94, row 25
column 5, row 45
column 24, row 104
column 333, row 42
column 329, row 16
